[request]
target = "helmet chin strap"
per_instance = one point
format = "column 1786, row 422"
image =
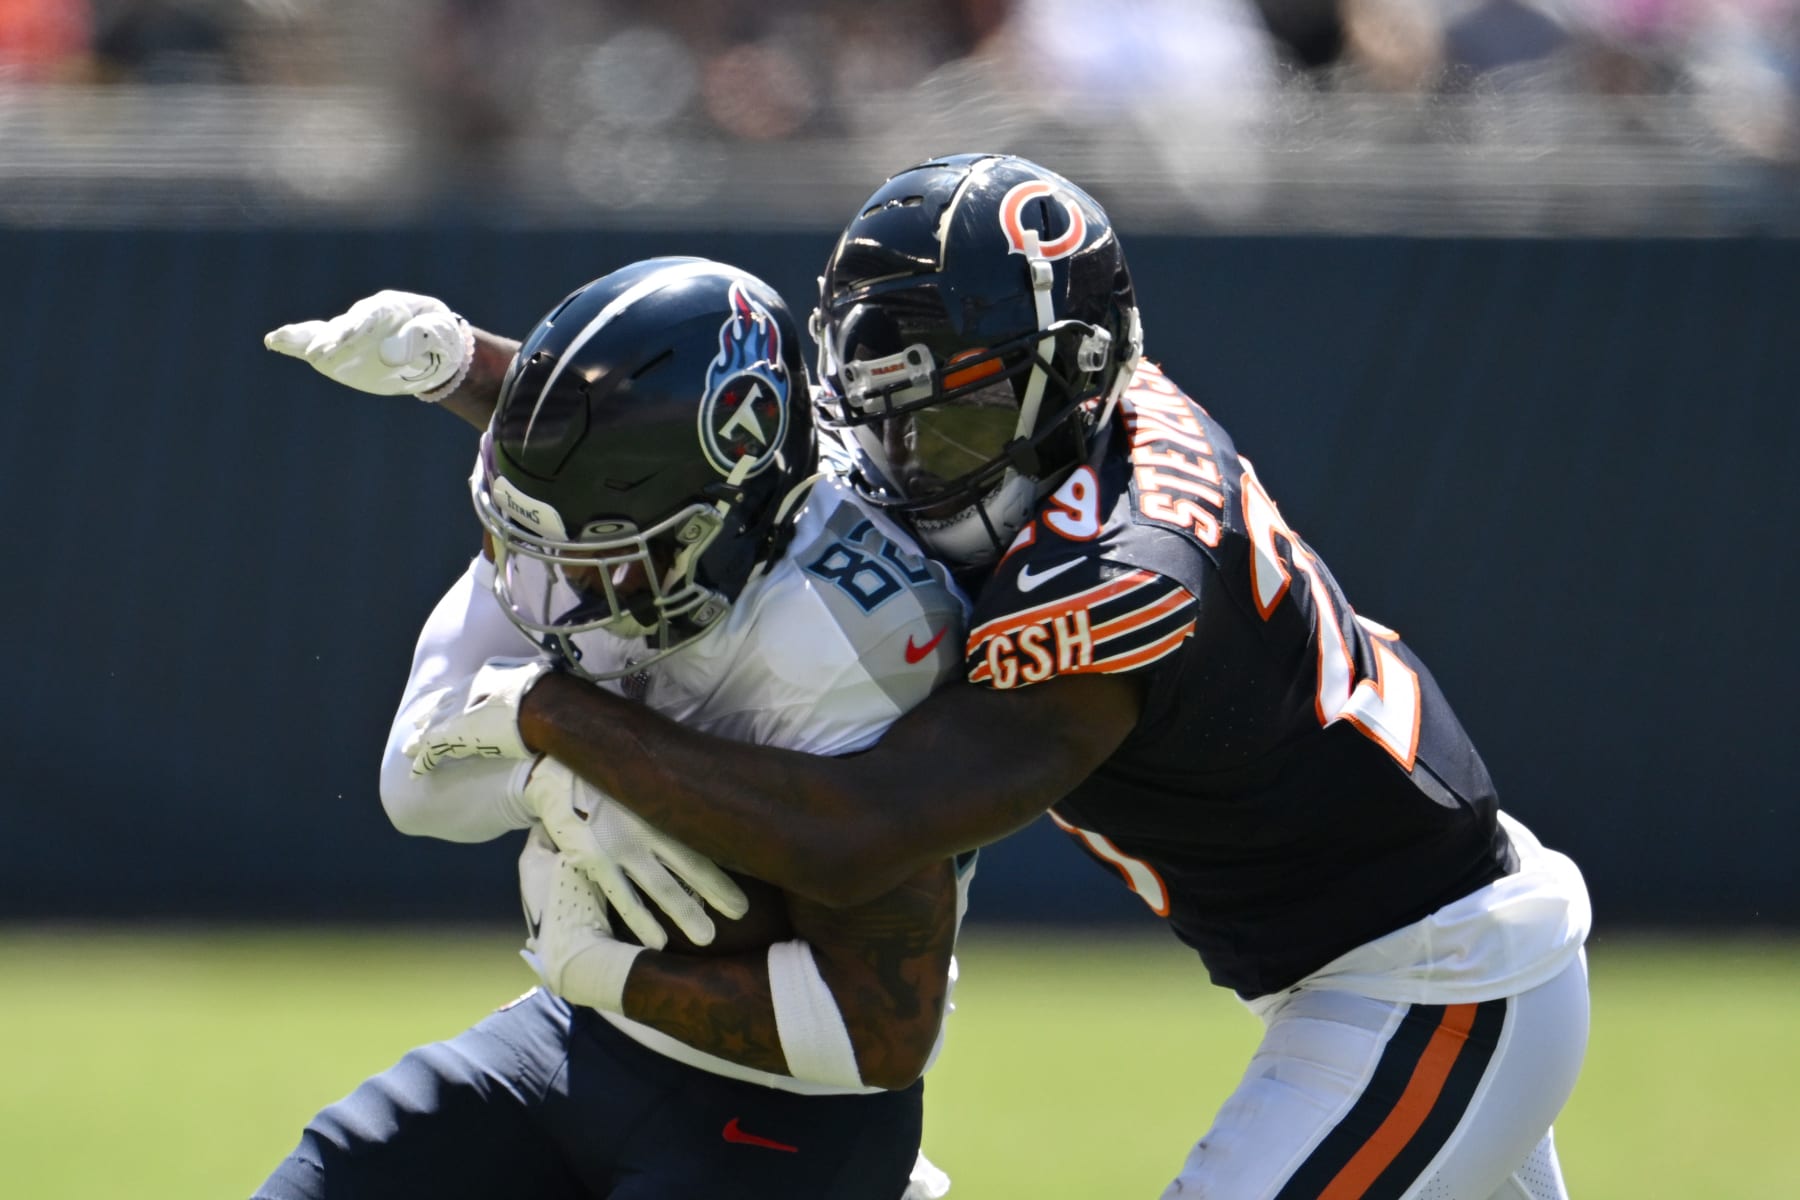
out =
column 686, row 565
column 976, row 535
column 783, row 510
column 1043, row 277
column 1134, row 350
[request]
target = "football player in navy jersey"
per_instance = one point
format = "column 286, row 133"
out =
column 1159, row 660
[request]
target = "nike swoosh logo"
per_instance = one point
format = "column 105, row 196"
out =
column 917, row 653
column 734, row 1134
column 1029, row 579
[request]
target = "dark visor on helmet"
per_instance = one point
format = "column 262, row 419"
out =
column 948, row 441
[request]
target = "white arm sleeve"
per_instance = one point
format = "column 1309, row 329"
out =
column 476, row 800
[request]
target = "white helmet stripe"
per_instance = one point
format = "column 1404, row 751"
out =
column 650, row 284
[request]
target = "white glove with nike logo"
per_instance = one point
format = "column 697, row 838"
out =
column 389, row 344
column 478, row 718
column 571, row 946
column 619, row 852
column 537, row 871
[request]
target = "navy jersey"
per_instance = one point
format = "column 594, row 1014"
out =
column 1296, row 784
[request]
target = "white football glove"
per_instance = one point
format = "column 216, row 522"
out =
column 478, row 718
column 621, row 853
column 572, row 948
column 537, row 872
column 390, row 344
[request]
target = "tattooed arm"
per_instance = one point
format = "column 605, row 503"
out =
column 887, row 963
column 475, row 397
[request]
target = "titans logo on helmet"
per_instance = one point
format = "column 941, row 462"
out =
column 745, row 412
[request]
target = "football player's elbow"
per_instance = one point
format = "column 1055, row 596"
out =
column 891, row 1079
column 897, row 1059
column 892, row 1015
column 404, row 800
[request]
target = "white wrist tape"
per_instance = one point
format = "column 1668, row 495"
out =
column 467, row 336
column 597, row 978
column 571, row 946
column 813, row 1036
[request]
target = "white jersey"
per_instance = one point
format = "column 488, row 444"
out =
column 850, row 628
column 847, row 630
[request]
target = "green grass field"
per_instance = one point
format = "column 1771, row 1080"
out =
column 182, row 1064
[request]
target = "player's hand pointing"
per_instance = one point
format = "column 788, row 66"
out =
column 389, row 344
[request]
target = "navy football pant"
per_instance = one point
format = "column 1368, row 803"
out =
column 541, row 1100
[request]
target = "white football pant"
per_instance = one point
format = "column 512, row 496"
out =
column 1349, row 1098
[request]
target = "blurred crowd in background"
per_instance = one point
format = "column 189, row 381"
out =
column 1350, row 114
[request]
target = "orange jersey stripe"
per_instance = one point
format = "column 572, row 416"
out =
column 1134, row 658
column 1410, row 1111
column 1013, row 622
column 1147, row 615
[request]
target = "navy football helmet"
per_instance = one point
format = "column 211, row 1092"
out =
column 976, row 325
column 652, row 440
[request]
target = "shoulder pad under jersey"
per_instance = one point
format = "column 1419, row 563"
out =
column 899, row 614
column 1063, row 600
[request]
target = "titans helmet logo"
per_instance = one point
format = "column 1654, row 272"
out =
column 745, row 413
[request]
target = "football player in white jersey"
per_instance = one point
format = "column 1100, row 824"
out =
column 1161, row 662
column 656, row 526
